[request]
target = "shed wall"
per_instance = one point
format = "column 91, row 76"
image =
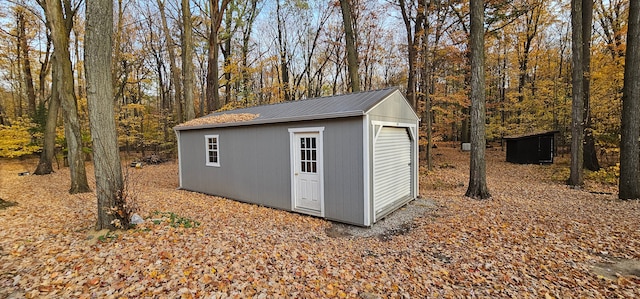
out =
column 255, row 165
column 394, row 109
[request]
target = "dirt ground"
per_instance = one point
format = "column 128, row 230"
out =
column 535, row 238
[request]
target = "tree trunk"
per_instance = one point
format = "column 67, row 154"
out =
column 590, row 155
column 187, row 61
column 412, row 50
column 60, row 26
column 246, row 38
column 44, row 70
column 117, row 53
column 173, row 67
column 477, row 169
column 26, row 63
column 576, row 177
column 425, row 88
column 213, row 81
column 226, row 54
column 282, row 47
column 352, row 54
column 48, row 148
column 629, row 144
column 112, row 209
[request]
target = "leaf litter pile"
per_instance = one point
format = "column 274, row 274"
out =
column 535, row 238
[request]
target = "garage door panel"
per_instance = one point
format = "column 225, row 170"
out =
column 392, row 168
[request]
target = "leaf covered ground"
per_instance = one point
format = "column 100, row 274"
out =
column 535, row 238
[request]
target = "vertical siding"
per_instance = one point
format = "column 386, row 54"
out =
column 343, row 166
column 255, row 165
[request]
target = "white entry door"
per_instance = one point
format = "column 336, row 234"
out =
column 307, row 172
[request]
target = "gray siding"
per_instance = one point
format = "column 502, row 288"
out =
column 343, row 169
column 255, row 165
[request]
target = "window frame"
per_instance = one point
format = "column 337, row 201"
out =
column 207, row 150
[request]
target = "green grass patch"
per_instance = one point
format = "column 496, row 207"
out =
column 108, row 237
column 173, row 220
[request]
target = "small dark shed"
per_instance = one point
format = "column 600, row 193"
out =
column 536, row 148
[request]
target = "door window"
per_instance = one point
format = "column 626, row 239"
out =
column 308, row 155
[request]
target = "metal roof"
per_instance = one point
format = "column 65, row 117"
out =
column 353, row 104
column 533, row 134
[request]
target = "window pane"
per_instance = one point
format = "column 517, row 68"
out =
column 313, row 142
column 308, row 154
column 314, row 167
column 313, row 155
column 302, row 143
column 302, row 166
column 302, row 156
column 309, row 166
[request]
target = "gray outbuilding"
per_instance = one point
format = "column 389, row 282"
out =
column 350, row 158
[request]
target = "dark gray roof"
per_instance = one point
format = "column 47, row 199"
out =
column 533, row 134
column 352, row 104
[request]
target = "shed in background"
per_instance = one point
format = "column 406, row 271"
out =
column 535, row 148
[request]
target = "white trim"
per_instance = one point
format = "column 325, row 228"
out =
column 320, row 152
column 206, row 149
column 413, row 134
column 416, row 156
column 395, row 124
column 366, row 171
column 179, row 159
column 307, row 130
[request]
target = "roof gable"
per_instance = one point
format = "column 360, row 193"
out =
column 353, row 104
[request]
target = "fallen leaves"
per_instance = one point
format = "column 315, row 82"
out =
column 536, row 238
column 218, row 119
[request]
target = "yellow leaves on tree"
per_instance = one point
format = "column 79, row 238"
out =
column 16, row 140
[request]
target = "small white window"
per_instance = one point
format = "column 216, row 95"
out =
column 212, row 143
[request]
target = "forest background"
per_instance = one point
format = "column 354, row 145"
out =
column 250, row 52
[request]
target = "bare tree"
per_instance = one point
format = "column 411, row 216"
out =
column 60, row 19
column 112, row 212
column 477, row 169
column 23, row 45
column 350, row 40
column 413, row 40
column 590, row 156
column 217, row 8
column 629, row 144
column 48, row 148
column 175, row 72
column 187, row 61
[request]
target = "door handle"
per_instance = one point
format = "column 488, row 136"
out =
column 296, row 173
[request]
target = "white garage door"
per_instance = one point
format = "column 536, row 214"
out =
column 391, row 170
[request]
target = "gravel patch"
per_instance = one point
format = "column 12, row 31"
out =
column 399, row 222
